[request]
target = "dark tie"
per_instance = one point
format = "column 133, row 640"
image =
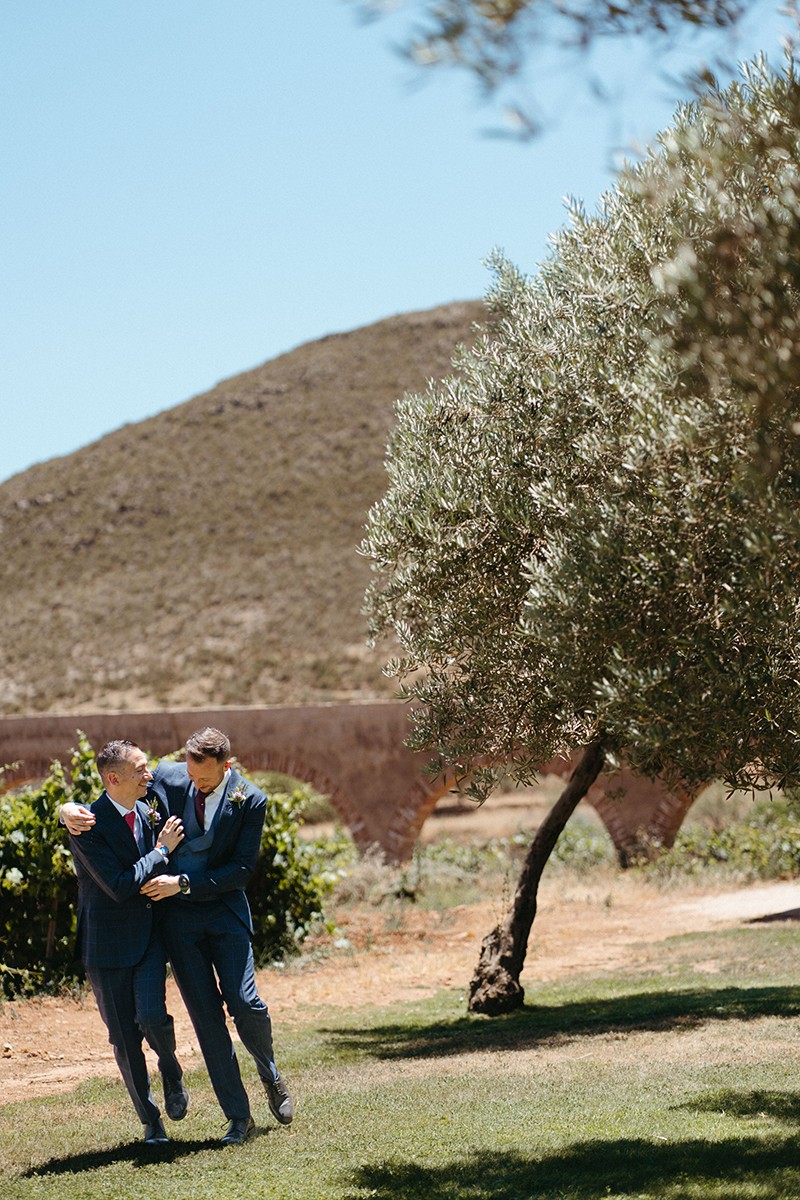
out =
column 130, row 820
column 200, row 808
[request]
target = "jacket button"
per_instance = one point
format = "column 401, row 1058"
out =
column 149, row 905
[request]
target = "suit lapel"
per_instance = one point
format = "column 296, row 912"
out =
column 177, row 806
column 114, row 829
column 148, row 832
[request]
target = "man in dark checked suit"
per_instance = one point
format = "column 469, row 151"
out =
column 207, row 924
column 118, row 929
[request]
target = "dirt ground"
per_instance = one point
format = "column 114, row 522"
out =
column 49, row 1045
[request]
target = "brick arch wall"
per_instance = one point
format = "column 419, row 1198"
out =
column 289, row 764
column 354, row 753
column 639, row 814
column 407, row 821
column 631, row 839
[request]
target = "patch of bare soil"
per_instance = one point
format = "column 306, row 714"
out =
column 49, row 1045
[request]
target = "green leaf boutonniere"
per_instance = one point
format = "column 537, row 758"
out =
column 153, row 815
column 238, row 796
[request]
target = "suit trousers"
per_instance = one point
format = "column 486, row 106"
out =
column 212, row 960
column 132, row 1004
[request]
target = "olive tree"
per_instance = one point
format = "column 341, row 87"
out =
column 575, row 551
column 493, row 39
column 501, row 44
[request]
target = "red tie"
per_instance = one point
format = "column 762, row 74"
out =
column 130, row 818
column 200, row 809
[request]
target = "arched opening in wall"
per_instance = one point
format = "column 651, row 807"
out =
column 314, row 806
column 511, row 810
column 319, row 804
column 16, row 778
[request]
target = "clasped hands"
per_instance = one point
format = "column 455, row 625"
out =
column 162, row 886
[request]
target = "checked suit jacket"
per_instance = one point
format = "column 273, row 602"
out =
column 232, row 847
column 115, row 921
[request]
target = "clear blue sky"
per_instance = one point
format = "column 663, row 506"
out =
column 192, row 187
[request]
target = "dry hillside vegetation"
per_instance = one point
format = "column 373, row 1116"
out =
column 208, row 555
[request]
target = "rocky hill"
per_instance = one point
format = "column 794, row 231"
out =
column 207, row 555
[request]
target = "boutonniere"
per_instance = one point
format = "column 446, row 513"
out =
column 238, row 796
column 153, row 815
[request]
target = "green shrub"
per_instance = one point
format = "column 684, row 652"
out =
column 471, row 858
column 310, row 805
column 764, row 846
column 292, row 878
column 316, row 808
column 581, row 847
column 38, row 888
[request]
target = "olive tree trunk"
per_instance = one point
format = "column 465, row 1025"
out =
column 495, row 986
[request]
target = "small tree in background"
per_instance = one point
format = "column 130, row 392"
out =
column 578, row 549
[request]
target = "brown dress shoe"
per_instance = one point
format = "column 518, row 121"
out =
column 280, row 1102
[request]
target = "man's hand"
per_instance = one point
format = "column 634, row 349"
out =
column 171, row 834
column 76, row 817
column 161, row 887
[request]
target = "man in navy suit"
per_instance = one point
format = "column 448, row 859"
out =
column 118, row 928
column 207, row 924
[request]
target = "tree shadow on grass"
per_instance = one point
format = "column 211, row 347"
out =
column 534, row 1025
column 736, row 1169
column 789, row 914
column 134, row 1153
column 779, row 1106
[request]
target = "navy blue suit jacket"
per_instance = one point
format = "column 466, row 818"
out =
column 234, row 850
column 115, row 921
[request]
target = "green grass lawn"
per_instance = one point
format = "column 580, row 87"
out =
column 672, row 1085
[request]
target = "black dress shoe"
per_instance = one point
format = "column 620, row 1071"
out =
column 280, row 1102
column 155, row 1134
column 239, row 1130
column 176, row 1099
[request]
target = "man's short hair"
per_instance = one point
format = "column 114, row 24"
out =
column 209, row 743
column 113, row 755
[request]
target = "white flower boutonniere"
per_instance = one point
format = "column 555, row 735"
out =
column 238, row 796
column 153, row 815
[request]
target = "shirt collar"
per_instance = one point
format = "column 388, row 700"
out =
column 121, row 809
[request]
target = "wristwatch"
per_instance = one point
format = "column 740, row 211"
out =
column 163, row 851
column 183, row 884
